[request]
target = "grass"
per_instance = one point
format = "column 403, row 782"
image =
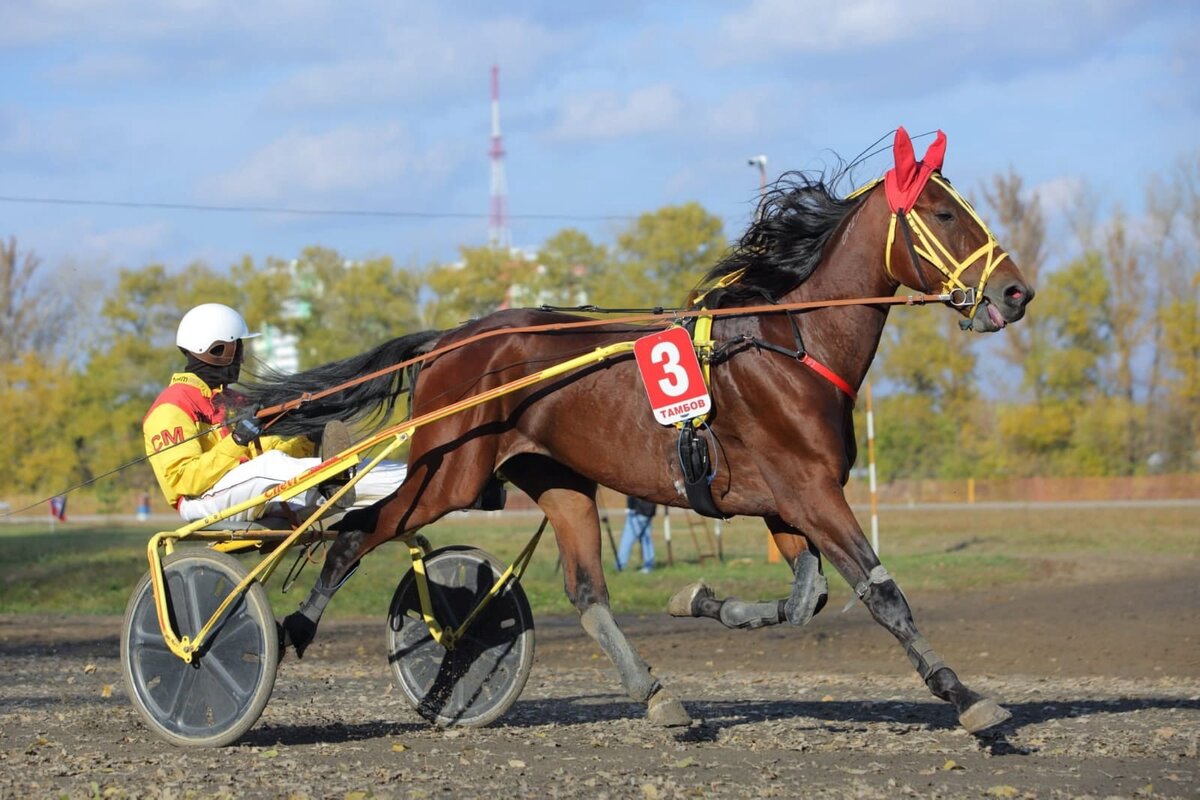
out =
column 87, row 569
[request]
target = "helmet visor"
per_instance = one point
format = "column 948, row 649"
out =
column 221, row 354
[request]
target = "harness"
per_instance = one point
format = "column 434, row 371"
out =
column 695, row 435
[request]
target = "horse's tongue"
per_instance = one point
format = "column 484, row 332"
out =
column 995, row 316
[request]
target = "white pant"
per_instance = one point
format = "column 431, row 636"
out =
column 251, row 479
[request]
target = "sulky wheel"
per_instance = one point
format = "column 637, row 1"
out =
column 218, row 696
column 480, row 677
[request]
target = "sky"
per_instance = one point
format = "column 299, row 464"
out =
column 608, row 110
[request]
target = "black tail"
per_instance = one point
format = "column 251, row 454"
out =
column 369, row 400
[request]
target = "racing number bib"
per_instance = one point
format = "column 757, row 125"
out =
column 671, row 374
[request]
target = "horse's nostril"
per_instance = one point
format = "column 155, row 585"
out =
column 1018, row 295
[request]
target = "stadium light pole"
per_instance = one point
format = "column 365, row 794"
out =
column 760, row 161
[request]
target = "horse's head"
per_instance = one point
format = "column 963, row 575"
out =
column 935, row 239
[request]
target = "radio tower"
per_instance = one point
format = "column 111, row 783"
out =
column 498, row 235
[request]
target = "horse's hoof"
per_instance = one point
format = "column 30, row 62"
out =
column 984, row 714
column 667, row 712
column 683, row 603
column 298, row 631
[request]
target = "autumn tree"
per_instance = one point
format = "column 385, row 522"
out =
column 1045, row 436
column 1175, row 205
column 572, row 268
column 478, row 284
column 662, row 255
column 1018, row 221
column 336, row 307
column 929, row 415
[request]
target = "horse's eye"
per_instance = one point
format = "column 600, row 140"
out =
column 944, row 216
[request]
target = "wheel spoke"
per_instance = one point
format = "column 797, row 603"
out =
column 178, row 700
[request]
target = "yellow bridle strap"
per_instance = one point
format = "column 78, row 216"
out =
column 698, row 298
column 930, row 248
column 864, row 189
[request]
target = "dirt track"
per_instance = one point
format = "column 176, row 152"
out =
column 1102, row 677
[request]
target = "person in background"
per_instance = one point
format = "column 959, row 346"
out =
column 210, row 455
column 639, row 520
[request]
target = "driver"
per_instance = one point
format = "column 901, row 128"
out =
column 206, row 465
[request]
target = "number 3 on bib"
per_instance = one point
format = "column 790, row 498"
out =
column 672, row 376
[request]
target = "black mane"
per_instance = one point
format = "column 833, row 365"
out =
column 783, row 245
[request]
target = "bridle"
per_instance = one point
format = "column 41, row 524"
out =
column 924, row 245
column 903, row 185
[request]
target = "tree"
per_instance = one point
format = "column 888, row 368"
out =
column 1067, row 364
column 1021, row 228
column 930, row 365
column 482, row 282
column 1181, row 322
column 1173, row 205
column 337, row 307
column 39, row 311
column 572, row 268
column 662, row 256
column 38, row 397
column 16, row 273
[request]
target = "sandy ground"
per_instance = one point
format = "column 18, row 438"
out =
column 1100, row 668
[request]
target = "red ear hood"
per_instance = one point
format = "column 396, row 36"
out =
column 904, row 182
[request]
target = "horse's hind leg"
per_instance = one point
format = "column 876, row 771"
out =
column 569, row 502
column 809, row 590
column 300, row 627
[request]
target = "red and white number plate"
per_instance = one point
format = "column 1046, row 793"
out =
column 672, row 377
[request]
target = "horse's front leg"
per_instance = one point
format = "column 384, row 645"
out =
column 568, row 500
column 810, row 590
column 822, row 509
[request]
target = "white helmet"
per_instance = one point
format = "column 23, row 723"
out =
column 211, row 332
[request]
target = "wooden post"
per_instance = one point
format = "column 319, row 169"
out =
column 871, row 472
column 773, row 554
column 667, row 535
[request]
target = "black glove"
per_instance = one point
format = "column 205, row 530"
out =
column 246, row 430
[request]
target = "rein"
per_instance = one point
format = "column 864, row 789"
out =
column 956, row 297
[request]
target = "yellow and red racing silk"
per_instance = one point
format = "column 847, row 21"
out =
column 187, row 466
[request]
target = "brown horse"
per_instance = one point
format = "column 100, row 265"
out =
column 782, row 386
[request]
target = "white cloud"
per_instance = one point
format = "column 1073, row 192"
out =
column 739, row 114
column 604, row 115
column 421, row 59
column 27, row 134
column 303, row 166
column 1060, row 195
column 772, row 25
column 767, row 27
column 132, row 244
column 48, row 21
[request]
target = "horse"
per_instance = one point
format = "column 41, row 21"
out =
column 781, row 427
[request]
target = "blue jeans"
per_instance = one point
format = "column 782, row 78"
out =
column 637, row 527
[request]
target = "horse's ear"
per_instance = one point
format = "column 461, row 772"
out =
column 936, row 153
column 906, row 161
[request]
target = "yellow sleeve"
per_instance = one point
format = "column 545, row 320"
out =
column 179, row 461
column 295, row 446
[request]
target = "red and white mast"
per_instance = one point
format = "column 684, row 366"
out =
column 498, row 234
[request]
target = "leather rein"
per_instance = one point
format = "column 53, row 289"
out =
column 955, row 297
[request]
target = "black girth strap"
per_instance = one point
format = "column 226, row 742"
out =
column 698, row 471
